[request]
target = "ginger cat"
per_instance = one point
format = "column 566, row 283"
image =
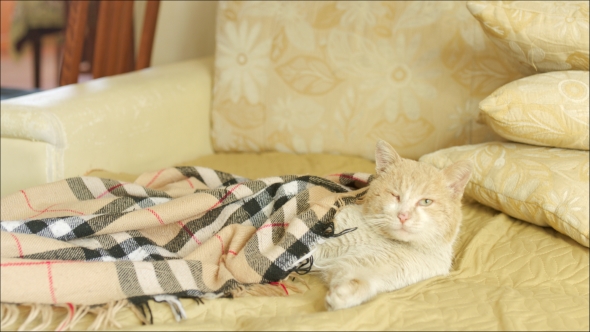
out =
column 406, row 226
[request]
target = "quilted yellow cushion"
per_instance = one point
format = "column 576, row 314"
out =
column 334, row 76
column 540, row 35
column 544, row 186
column 550, row 109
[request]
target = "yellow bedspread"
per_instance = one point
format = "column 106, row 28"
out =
column 507, row 275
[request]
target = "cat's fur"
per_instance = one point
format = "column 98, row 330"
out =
column 383, row 254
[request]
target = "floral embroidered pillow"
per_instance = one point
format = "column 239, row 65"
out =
column 541, row 185
column 541, row 36
column 550, row 109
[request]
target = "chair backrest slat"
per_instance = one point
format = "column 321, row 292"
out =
column 144, row 56
column 113, row 48
column 74, row 42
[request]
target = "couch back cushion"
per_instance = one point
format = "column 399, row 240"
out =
column 333, row 77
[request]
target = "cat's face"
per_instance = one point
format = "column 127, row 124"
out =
column 415, row 202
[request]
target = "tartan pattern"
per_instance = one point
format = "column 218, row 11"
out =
column 182, row 231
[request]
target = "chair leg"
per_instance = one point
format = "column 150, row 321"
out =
column 36, row 40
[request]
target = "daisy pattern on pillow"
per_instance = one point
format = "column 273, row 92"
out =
column 242, row 59
column 401, row 78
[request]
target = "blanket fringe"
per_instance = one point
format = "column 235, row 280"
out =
column 141, row 316
column 35, row 310
column 9, row 315
column 105, row 315
column 73, row 316
column 40, row 316
column 293, row 284
column 46, row 318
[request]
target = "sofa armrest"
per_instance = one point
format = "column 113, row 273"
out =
column 130, row 123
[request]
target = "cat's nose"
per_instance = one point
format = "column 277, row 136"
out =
column 403, row 217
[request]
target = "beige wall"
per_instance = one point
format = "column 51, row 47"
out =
column 185, row 30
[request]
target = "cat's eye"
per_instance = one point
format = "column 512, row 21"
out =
column 395, row 196
column 425, row 202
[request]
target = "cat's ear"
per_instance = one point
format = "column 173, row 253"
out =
column 385, row 156
column 457, row 176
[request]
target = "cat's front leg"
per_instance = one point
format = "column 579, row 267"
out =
column 348, row 217
column 347, row 293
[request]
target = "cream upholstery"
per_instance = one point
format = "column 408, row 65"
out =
column 124, row 123
column 24, row 163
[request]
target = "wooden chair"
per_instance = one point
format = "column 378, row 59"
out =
column 113, row 48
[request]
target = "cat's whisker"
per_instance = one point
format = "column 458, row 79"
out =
column 380, row 223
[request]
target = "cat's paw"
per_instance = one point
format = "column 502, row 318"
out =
column 345, row 295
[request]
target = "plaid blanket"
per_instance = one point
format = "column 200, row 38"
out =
column 187, row 232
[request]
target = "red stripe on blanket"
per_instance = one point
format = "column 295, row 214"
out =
column 155, row 177
column 232, row 252
column 157, row 216
column 46, row 210
column 220, row 241
column 190, row 233
column 110, row 189
column 50, row 278
column 190, row 183
column 349, row 177
column 224, row 197
column 273, row 225
column 211, row 208
column 18, row 246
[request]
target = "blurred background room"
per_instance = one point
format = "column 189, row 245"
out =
column 33, row 35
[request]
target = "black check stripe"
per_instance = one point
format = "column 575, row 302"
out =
column 350, row 179
column 190, row 172
column 79, row 189
column 226, row 179
column 66, row 228
column 135, row 247
column 62, row 229
column 130, row 203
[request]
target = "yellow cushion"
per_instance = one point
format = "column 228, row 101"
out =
column 550, row 109
column 258, row 165
column 315, row 76
column 540, row 35
column 544, row 186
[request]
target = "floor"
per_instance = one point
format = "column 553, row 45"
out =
column 18, row 73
